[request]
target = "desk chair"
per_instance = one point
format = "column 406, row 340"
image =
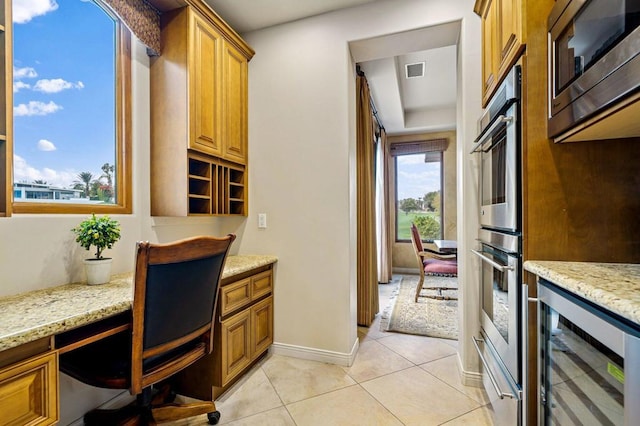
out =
column 434, row 263
column 175, row 292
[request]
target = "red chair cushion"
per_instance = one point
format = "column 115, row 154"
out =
column 441, row 267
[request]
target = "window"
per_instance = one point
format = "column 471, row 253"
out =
column 71, row 109
column 419, row 200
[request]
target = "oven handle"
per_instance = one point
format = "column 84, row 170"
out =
column 483, row 138
column 499, row 267
column 492, row 379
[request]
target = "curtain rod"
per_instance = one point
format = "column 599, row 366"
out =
column 373, row 105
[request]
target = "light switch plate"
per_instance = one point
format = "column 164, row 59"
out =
column 262, row 220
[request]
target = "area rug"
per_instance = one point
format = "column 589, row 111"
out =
column 427, row 317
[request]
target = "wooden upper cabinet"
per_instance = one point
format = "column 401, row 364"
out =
column 235, row 77
column 510, row 41
column 204, row 92
column 502, row 41
column 489, row 50
column 199, row 116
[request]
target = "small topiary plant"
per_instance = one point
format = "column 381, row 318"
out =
column 101, row 232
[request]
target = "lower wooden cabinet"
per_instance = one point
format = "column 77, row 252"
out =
column 242, row 335
column 29, row 391
column 235, row 342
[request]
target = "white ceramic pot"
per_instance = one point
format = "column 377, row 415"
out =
column 98, row 270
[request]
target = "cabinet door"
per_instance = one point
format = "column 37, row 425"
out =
column 29, row 391
column 489, row 51
column 509, row 34
column 261, row 326
column 204, row 111
column 235, row 83
column 236, row 345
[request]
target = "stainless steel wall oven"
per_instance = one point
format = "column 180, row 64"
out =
column 499, row 146
column 499, row 296
column 501, row 346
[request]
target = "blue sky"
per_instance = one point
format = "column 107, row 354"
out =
column 63, row 90
column 415, row 177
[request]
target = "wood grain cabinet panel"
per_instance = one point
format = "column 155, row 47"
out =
column 29, row 391
column 502, row 41
column 204, row 103
column 235, row 96
column 262, row 325
column 235, row 296
column 261, row 284
column 236, row 345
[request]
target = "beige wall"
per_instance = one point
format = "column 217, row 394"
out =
column 403, row 257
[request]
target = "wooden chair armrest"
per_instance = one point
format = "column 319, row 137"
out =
column 436, row 255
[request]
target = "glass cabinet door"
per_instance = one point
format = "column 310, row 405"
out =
column 582, row 380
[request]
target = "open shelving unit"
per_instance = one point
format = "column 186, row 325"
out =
column 215, row 187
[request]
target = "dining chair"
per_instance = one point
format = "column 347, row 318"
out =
column 172, row 324
column 432, row 263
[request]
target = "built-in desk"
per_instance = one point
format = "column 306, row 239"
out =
column 34, row 325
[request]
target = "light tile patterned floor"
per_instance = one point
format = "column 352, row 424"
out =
column 396, row 379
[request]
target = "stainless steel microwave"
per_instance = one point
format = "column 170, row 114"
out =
column 594, row 60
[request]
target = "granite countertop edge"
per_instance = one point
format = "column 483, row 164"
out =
column 613, row 286
column 29, row 316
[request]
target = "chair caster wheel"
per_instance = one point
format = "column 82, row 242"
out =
column 214, row 417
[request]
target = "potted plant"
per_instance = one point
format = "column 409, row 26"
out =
column 101, row 232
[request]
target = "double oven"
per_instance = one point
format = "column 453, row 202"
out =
column 501, row 345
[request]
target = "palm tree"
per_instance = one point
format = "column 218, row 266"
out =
column 108, row 170
column 85, row 178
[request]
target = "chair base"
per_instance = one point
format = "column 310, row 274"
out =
column 147, row 411
column 438, row 296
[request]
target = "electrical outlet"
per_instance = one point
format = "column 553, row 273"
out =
column 262, row 220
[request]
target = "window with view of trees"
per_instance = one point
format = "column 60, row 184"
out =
column 70, row 108
column 419, row 195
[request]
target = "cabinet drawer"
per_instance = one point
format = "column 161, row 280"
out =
column 234, row 296
column 261, row 284
column 29, row 391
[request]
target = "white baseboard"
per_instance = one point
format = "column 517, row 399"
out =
column 314, row 354
column 119, row 400
column 469, row 378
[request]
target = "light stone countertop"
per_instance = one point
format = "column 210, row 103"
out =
column 29, row 316
column 614, row 286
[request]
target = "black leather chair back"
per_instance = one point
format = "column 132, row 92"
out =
column 180, row 298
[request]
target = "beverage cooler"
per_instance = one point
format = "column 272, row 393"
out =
column 589, row 362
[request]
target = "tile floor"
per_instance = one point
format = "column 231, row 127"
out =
column 396, row 379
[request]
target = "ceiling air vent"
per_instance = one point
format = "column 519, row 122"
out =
column 414, row 70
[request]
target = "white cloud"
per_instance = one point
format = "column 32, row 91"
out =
column 410, row 159
column 17, row 85
column 35, row 108
column 25, row 72
column 25, row 10
column 56, row 85
column 45, row 145
column 23, row 172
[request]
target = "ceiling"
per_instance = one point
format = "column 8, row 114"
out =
column 404, row 105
